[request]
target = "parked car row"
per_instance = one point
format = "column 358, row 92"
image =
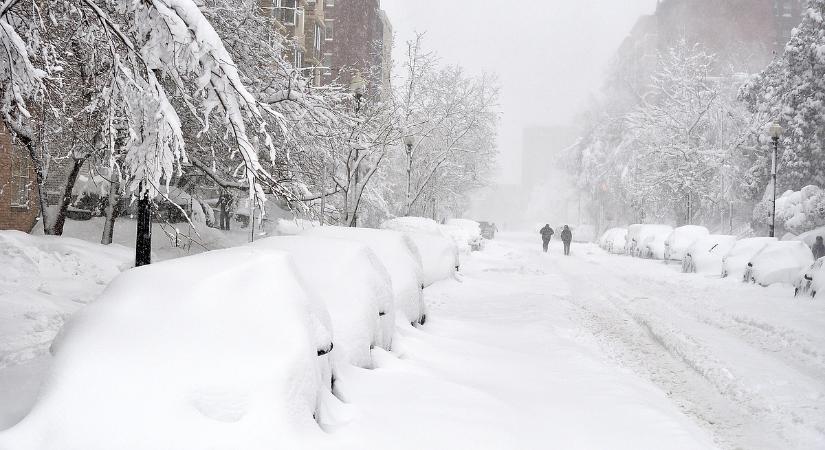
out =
column 252, row 334
column 762, row 261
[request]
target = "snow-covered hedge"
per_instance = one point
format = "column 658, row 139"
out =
column 736, row 260
column 706, row 253
column 678, row 243
column 193, row 353
column 353, row 284
column 779, row 262
column 614, row 240
column 401, row 258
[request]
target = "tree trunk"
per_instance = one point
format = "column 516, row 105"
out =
column 54, row 225
column 112, row 210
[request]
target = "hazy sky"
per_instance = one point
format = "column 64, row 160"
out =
column 550, row 55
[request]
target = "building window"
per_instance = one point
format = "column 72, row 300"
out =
column 21, row 184
column 286, row 11
column 330, row 29
column 329, row 3
column 318, row 38
column 327, row 63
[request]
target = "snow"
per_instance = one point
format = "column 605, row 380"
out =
column 737, row 259
column 44, row 280
column 678, row 243
column 354, row 286
column 400, row 257
column 583, row 233
column 706, row 253
column 779, row 262
column 614, row 240
column 219, row 350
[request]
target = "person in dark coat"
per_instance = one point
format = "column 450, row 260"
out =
column 566, row 238
column 546, row 234
column 819, row 248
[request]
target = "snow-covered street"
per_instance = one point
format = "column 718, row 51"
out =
column 531, row 351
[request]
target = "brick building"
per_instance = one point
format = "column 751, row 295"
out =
column 19, row 206
column 360, row 39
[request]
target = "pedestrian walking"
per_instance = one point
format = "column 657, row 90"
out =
column 546, row 234
column 566, row 238
column 819, row 248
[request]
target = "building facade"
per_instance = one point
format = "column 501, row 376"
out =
column 19, row 205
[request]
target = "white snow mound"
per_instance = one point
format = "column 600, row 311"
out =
column 779, row 262
column 706, row 253
column 736, row 260
column 678, row 243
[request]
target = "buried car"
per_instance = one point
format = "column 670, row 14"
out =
column 354, row 286
column 400, row 257
column 678, row 243
column 614, row 240
column 779, row 262
column 811, row 281
column 736, row 260
column 190, row 353
column 706, row 253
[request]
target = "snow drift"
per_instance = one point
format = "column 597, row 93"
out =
column 222, row 350
column 400, row 257
column 354, row 286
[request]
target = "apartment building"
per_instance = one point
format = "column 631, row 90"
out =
column 19, row 206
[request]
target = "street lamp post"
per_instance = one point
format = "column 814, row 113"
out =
column 358, row 86
column 776, row 132
column 143, row 242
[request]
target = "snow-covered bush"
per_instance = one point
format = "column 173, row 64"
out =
column 812, row 281
column 736, row 260
column 613, row 240
column 796, row 211
column 706, row 253
column 677, row 244
column 193, row 353
column 779, row 262
column 466, row 234
column 439, row 252
column 399, row 255
column 353, row 284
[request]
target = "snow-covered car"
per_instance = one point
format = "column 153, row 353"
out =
column 187, row 353
column 706, row 253
column 399, row 255
column 648, row 241
column 614, row 240
column 736, row 260
column 779, row 262
column 354, row 286
column 678, row 243
column 466, row 233
column 809, row 237
column 811, row 281
column 439, row 253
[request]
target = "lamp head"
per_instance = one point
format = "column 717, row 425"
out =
column 776, row 130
